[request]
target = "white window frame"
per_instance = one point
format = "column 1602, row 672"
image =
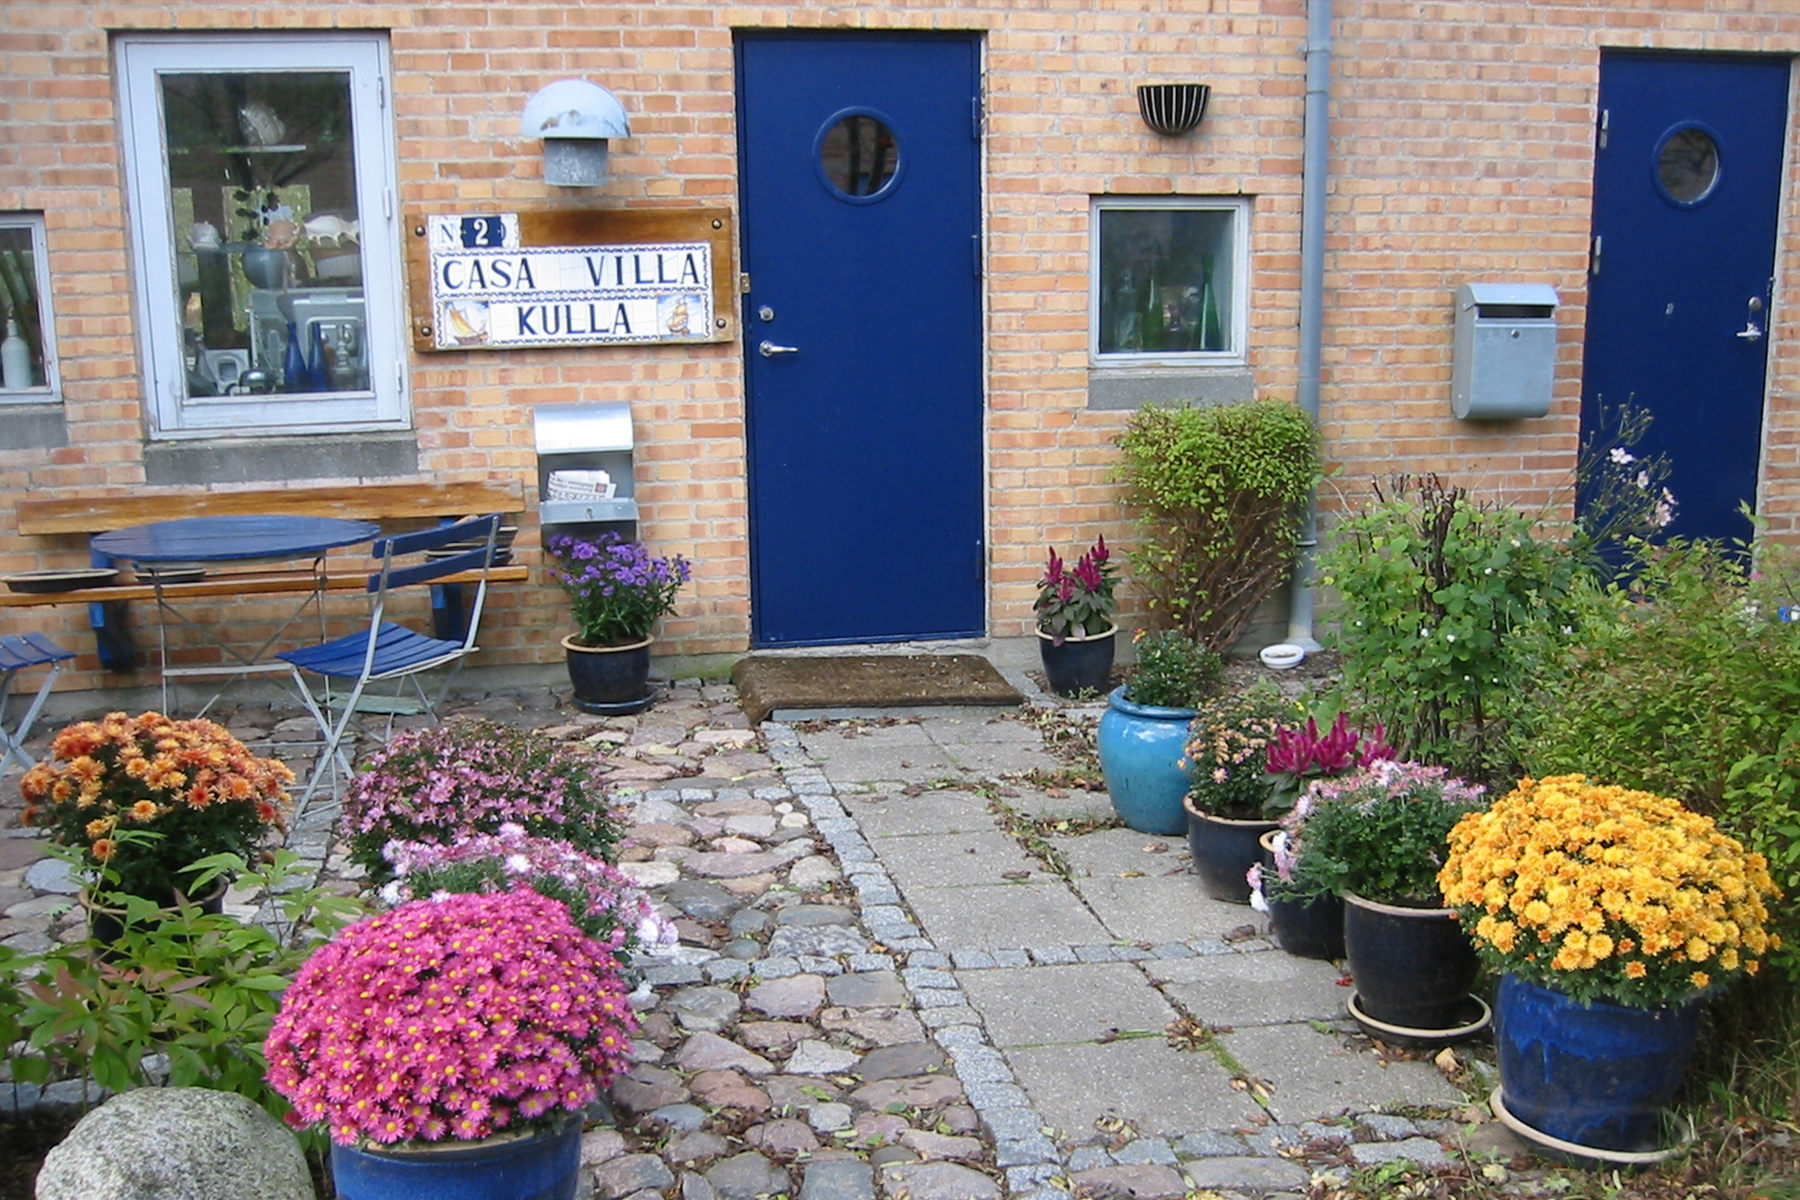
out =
column 50, row 391
column 141, row 59
column 1238, row 331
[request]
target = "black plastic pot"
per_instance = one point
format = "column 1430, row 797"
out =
column 1413, row 966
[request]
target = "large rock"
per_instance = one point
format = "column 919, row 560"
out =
column 176, row 1144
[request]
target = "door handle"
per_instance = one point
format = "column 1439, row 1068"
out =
column 1750, row 333
column 770, row 349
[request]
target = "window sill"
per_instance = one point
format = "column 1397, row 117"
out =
column 278, row 459
column 33, row 426
column 1119, row 387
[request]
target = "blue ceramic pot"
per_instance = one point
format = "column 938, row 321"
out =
column 1080, row 664
column 1224, row 849
column 1141, row 748
column 543, row 1167
column 1413, row 966
column 1598, row 1076
column 610, row 680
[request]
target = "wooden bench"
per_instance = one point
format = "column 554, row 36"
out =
column 358, row 502
column 88, row 515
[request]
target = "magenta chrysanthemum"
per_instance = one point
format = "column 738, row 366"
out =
column 456, row 1017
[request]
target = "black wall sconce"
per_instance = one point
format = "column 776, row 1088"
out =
column 1172, row 109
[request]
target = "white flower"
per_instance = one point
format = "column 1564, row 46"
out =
column 1621, row 456
column 518, row 864
column 1643, row 480
column 1449, row 637
column 390, row 893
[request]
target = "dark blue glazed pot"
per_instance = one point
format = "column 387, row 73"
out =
column 1224, row 849
column 1596, row 1076
column 1141, row 749
column 610, row 680
column 541, row 1167
column 1080, row 664
column 1413, row 966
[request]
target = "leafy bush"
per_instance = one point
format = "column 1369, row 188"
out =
column 1219, row 493
column 1172, row 670
column 1686, row 684
column 1383, row 831
column 201, row 988
column 1434, row 589
column 459, row 779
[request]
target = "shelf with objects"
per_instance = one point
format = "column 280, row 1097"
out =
column 269, row 263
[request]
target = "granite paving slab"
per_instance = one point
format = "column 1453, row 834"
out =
column 1037, row 1006
column 958, row 859
column 1004, row 916
column 1160, row 1090
column 892, row 814
column 1165, row 908
column 1313, row 1074
column 1268, row 988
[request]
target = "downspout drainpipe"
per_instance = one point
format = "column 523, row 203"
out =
column 1312, row 292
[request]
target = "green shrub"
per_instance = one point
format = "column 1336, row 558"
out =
column 200, row 988
column 1434, row 588
column 1687, row 684
column 1172, row 670
column 1219, row 493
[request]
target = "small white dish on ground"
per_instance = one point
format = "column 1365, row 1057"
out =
column 1282, row 655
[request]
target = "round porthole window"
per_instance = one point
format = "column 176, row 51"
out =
column 858, row 156
column 1687, row 166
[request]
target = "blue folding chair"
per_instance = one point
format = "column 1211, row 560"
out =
column 389, row 651
column 17, row 654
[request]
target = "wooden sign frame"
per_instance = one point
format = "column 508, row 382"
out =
column 565, row 229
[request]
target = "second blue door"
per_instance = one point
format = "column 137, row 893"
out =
column 1687, row 193
column 858, row 162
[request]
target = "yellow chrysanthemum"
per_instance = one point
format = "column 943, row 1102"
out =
column 1619, row 886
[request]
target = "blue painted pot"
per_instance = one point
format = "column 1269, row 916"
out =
column 1141, row 748
column 540, row 1167
column 1080, row 664
column 1596, row 1076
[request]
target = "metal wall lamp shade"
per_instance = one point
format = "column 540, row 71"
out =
column 575, row 118
column 1172, row 109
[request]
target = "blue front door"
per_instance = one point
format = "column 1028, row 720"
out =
column 858, row 172
column 1687, row 190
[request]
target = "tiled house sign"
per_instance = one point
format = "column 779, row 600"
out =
column 488, row 290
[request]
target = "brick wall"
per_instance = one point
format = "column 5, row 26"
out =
column 1461, row 148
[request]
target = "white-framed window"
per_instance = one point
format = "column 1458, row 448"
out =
column 1169, row 280
column 28, row 335
column 260, row 179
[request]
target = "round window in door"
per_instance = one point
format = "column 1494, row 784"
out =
column 1687, row 165
column 857, row 156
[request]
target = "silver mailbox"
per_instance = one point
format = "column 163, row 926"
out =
column 1504, row 363
column 585, row 464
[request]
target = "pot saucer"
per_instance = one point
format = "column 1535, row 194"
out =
column 1474, row 1016
column 1574, row 1154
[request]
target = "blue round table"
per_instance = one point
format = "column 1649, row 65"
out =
column 232, row 539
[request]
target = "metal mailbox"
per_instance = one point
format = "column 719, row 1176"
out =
column 585, row 465
column 1504, row 360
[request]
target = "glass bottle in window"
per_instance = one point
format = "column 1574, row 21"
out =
column 1154, row 324
column 1128, row 317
